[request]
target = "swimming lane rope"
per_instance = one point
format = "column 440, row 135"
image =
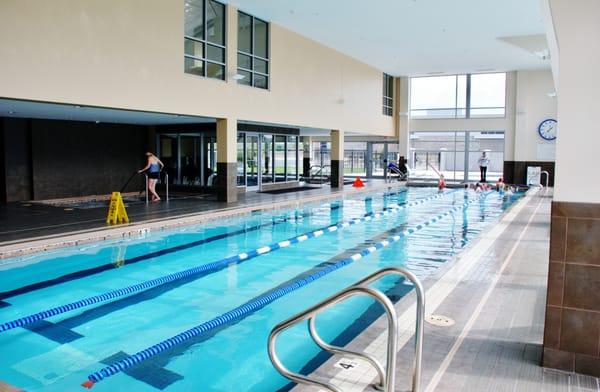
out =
column 199, row 270
column 256, row 304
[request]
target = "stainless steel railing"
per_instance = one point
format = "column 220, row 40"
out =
column 386, row 376
column 166, row 187
column 547, row 177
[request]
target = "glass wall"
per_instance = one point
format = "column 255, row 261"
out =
column 189, row 158
column 279, row 162
column 455, row 154
column 266, row 158
column 458, row 96
column 204, row 38
column 355, row 158
column 253, row 51
column 292, row 158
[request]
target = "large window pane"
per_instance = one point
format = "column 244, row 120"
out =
column 194, row 18
column 215, row 53
column 261, row 40
column 291, row 163
column 260, row 81
column 488, row 95
column 434, row 96
column 244, row 32
column 245, row 61
column 247, row 77
column 279, row 163
column 267, row 159
column 194, row 66
column 215, row 71
column 261, row 66
column 215, row 22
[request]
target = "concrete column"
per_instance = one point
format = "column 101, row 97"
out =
column 307, row 141
column 403, row 99
column 227, row 159
column 337, row 159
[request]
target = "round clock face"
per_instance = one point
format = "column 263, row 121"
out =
column 548, row 128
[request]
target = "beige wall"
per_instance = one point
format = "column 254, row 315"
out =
column 575, row 23
column 129, row 54
column 533, row 106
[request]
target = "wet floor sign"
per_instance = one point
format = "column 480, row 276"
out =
column 116, row 210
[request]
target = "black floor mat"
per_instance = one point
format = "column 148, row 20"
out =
column 287, row 190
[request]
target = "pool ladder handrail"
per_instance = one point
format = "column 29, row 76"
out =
column 166, row 186
column 387, row 376
column 547, row 177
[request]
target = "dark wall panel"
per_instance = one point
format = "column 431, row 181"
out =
column 17, row 158
column 80, row 158
column 2, row 164
column 515, row 172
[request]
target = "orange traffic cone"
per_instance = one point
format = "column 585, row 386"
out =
column 358, row 183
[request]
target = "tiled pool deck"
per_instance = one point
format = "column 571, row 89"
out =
column 496, row 292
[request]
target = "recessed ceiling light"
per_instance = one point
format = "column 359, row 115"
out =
column 11, row 112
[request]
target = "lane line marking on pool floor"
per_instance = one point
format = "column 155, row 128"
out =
column 437, row 293
column 249, row 307
column 203, row 270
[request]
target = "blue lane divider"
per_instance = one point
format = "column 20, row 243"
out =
column 199, row 270
column 258, row 303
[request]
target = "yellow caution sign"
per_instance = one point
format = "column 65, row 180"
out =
column 116, row 210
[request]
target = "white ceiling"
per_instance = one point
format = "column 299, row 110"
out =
column 53, row 111
column 416, row 37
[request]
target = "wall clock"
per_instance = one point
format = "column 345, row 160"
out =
column 547, row 129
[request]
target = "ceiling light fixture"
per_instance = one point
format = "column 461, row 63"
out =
column 238, row 76
column 11, row 112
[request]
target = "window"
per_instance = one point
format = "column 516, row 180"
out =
column 455, row 154
column 291, row 158
column 458, row 96
column 253, row 51
column 388, row 95
column 204, row 38
column 488, row 94
column 279, row 164
column 438, row 96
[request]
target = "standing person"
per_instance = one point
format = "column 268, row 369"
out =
column 441, row 183
column 483, row 161
column 153, row 168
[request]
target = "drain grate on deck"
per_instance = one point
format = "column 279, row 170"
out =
column 439, row 320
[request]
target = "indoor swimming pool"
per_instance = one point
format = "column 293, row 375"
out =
column 191, row 309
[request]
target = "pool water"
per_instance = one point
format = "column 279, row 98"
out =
column 60, row 352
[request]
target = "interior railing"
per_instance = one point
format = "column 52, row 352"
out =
column 386, row 376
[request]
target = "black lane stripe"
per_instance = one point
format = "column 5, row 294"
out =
column 106, row 267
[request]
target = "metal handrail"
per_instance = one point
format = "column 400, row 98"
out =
column 387, row 377
column 547, row 177
column 166, row 186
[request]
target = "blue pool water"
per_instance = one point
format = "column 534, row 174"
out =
column 60, row 352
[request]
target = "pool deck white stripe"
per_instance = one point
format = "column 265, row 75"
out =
column 467, row 328
column 355, row 381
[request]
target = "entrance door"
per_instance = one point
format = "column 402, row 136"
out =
column 252, row 162
column 378, row 157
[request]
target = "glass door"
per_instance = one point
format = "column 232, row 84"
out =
column 252, row 162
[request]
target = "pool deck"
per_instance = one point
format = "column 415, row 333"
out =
column 27, row 228
column 495, row 291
